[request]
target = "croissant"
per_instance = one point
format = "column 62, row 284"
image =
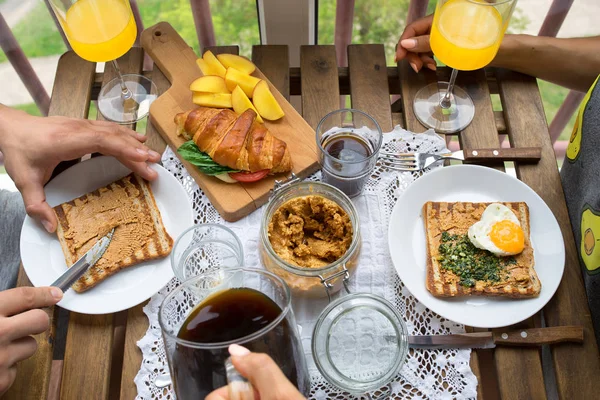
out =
column 238, row 142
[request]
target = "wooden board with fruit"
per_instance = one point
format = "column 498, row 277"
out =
column 227, row 96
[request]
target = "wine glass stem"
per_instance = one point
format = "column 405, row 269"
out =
column 446, row 101
column 125, row 92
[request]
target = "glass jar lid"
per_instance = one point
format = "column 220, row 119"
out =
column 359, row 343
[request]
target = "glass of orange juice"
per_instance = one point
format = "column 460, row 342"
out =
column 465, row 35
column 102, row 31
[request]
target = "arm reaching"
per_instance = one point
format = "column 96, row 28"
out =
column 573, row 63
column 34, row 146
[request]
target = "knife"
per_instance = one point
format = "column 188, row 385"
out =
column 489, row 340
column 523, row 154
column 80, row 267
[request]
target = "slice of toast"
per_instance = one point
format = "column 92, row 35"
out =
column 127, row 205
column 518, row 280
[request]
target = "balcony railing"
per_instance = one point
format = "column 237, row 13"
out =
column 343, row 36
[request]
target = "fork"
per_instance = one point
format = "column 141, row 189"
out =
column 420, row 161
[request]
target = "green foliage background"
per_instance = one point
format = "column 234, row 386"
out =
column 235, row 22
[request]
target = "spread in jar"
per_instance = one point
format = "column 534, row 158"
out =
column 310, row 231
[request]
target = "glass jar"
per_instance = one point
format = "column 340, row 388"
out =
column 310, row 282
column 360, row 343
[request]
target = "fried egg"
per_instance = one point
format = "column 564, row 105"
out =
column 498, row 231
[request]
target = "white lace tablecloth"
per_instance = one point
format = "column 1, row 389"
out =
column 427, row 374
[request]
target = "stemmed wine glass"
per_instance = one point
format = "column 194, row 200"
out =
column 465, row 35
column 102, row 31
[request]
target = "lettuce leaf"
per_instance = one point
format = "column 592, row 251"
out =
column 191, row 153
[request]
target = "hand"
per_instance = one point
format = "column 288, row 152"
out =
column 268, row 380
column 34, row 146
column 414, row 44
column 21, row 317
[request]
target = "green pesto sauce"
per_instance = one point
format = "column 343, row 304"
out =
column 470, row 264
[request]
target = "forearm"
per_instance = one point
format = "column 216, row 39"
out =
column 573, row 63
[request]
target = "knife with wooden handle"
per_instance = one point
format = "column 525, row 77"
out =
column 489, row 340
column 523, row 154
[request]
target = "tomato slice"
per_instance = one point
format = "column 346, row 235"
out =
column 246, row 176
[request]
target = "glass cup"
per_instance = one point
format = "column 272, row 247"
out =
column 349, row 141
column 465, row 35
column 199, row 368
column 204, row 247
column 102, row 31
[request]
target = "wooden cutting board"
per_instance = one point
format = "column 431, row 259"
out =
column 177, row 61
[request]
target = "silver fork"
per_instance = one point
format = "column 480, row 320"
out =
column 412, row 161
column 419, row 161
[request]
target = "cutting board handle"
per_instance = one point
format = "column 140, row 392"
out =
column 538, row 336
column 164, row 45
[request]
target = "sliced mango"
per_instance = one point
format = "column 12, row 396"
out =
column 240, row 63
column 207, row 70
column 241, row 103
column 217, row 100
column 265, row 103
column 209, row 84
column 212, row 65
column 234, row 78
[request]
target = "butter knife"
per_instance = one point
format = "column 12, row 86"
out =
column 489, row 340
column 80, row 267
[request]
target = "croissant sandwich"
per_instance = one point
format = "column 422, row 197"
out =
column 231, row 147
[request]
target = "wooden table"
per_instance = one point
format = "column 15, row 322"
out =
column 98, row 357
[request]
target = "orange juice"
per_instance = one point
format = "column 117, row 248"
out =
column 100, row 30
column 466, row 35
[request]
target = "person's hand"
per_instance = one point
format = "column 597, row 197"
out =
column 414, row 44
column 33, row 147
column 20, row 317
column 268, row 380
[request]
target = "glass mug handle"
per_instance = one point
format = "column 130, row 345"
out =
column 326, row 281
column 239, row 387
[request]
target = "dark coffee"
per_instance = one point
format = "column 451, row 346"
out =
column 349, row 169
column 348, row 147
column 226, row 316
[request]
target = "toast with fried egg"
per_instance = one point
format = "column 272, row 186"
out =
column 447, row 223
column 128, row 206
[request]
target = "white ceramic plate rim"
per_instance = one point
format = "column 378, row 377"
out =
column 406, row 239
column 42, row 256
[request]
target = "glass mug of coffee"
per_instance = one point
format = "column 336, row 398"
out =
column 207, row 313
column 349, row 142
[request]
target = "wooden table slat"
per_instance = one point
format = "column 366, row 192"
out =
column 369, row 87
column 274, row 62
column 70, row 98
column 137, row 322
column 410, row 84
column 95, row 331
column 524, row 378
column 576, row 366
column 155, row 140
column 319, row 82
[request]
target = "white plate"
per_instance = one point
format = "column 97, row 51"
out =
column 406, row 236
column 43, row 258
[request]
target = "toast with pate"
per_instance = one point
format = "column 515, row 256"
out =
column 446, row 224
column 127, row 205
